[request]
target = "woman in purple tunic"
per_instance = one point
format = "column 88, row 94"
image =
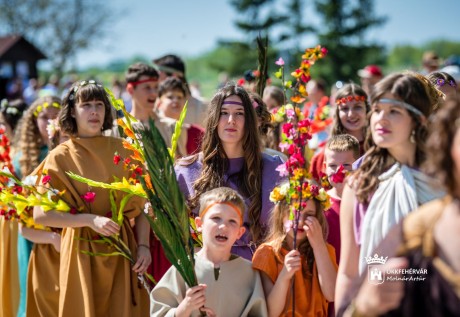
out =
column 231, row 156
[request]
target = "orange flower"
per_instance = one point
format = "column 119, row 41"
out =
column 148, row 181
column 297, row 99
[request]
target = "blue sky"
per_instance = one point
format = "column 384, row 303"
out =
column 152, row 28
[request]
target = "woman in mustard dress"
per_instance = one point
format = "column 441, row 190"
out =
column 93, row 286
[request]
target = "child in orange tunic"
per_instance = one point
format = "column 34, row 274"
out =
column 312, row 264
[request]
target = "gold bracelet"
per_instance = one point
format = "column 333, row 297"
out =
column 143, row 245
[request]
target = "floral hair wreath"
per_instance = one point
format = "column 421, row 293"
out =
column 310, row 191
column 344, row 100
column 81, row 84
column 4, row 108
column 45, row 105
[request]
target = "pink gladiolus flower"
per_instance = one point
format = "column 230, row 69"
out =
column 282, row 170
column 280, row 62
column 89, row 197
column 283, row 146
column 46, row 179
column 290, row 113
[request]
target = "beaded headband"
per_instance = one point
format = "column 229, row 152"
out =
column 344, row 100
column 45, row 105
column 441, row 82
column 403, row 104
column 81, row 84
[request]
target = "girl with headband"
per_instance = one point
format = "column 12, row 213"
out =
column 31, row 145
column 231, row 156
column 94, row 285
column 350, row 117
column 388, row 185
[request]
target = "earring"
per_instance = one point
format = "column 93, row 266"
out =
column 412, row 136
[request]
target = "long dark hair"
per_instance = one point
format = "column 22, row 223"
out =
column 215, row 160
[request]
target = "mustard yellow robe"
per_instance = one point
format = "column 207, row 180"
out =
column 9, row 276
column 93, row 286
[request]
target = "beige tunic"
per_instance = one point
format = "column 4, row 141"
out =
column 236, row 292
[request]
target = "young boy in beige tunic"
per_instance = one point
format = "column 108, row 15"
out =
column 227, row 284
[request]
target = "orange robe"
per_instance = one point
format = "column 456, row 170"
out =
column 9, row 276
column 93, row 286
column 309, row 298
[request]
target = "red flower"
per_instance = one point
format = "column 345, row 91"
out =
column 240, row 82
column 17, row 189
column 126, row 161
column 89, row 197
column 73, row 211
column 46, row 179
column 339, row 175
column 314, row 190
column 138, row 170
column 116, row 159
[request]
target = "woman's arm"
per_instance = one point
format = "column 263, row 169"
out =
column 55, row 219
column 41, row 236
column 144, row 257
column 349, row 254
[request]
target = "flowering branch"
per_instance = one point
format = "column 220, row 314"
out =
column 296, row 131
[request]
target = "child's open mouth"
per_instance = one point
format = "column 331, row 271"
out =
column 221, row 238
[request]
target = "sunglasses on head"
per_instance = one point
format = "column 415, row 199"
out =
column 441, row 82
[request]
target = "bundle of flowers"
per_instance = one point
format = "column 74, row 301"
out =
column 19, row 197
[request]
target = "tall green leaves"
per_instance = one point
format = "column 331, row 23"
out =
column 170, row 222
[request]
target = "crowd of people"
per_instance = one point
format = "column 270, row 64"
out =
column 375, row 237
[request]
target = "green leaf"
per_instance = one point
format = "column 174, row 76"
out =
column 177, row 131
column 120, row 213
column 113, row 205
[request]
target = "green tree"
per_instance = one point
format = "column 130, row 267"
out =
column 342, row 31
column 258, row 17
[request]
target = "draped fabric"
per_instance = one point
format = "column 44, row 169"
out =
column 9, row 276
column 401, row 190
column 237, row 291
column 93, row 286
